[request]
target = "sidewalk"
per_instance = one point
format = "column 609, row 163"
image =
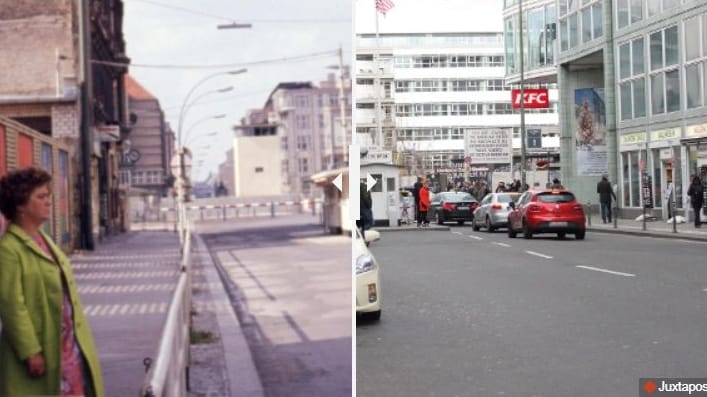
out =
column 659, row 228
column 125, row 286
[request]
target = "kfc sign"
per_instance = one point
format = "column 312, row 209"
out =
column 532, row 98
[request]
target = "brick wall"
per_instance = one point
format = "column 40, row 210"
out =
column 31, row 31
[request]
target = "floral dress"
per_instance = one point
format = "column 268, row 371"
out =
column 73, row 379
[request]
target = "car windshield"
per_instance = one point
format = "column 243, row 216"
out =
column 556, row 197
column 458, row 197
column 507, row 198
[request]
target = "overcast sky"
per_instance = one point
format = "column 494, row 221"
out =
column 159, row 35
column 431, row 16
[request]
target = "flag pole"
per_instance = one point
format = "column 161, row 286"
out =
column 379, row 127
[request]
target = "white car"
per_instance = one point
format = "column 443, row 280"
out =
column 368, row 295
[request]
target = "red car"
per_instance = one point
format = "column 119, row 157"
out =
column 547, row 211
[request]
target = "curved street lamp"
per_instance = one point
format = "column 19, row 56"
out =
column 191, row 127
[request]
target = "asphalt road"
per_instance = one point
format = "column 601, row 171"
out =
column 293, row 300
column 476, row 314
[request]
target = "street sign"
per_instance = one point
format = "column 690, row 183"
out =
column 532, row 98
column 534, row 138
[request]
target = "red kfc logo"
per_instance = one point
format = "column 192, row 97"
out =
column 532, row 98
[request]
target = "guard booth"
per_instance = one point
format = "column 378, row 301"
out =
column 335, row 206
column 385, row 194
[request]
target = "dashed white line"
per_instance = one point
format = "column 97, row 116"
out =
column 476, row 237
column 501, row 244
column 459, row 233
column 597, row 269
column 538, row 254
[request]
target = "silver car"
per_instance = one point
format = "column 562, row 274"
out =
column 493, row 211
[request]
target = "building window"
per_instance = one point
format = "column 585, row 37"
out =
column 632, row 79
column 696, row 61
column 665, row 75
column 258, row 170
column 302, row 121
column 579, row 23
column 655, row 7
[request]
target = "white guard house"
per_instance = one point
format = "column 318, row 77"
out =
column 385, row 194
column 335, row 207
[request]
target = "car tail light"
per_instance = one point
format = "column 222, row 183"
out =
column 497, row 207
column 448, row 207
column 534, row 208
column 578, row 208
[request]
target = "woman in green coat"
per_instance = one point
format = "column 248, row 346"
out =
column 46, row 347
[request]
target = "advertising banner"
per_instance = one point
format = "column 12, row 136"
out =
column 590, row 112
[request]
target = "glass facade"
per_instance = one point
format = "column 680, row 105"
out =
column 539, row 34
column 579, row 23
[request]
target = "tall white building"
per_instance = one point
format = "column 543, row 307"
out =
column 307, row 121
column 437, row 81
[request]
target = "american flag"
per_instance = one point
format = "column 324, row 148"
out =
column 384, row 6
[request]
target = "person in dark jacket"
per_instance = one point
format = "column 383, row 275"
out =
column 606, row 193
column 416, row 194
column 697, row 197
column 366, row 207
column 556, row 184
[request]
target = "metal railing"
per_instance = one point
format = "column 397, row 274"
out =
column 168, row 374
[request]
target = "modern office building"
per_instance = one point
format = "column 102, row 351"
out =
column 632, row 75
column 442, row 95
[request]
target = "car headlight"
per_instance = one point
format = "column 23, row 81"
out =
column 365, row 263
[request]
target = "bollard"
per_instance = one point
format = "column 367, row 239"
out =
column 616, row 216
column 272, row 209
column 589, row 214
column 254, row 214
column 201, row 211
column 675, row 216
column 237, row 212
column 314, row 207
column 224, row 212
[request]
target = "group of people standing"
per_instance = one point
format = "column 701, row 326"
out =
column 421, row 194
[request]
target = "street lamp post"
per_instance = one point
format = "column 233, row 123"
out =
column 342, row 111
column 522, row 97
column 182, row 115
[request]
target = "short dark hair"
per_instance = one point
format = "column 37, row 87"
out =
column 17, row 186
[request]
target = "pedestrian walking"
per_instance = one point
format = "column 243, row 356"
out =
column 501, row 188
column 697, row 197
column 424, row 205
column 46, row 346
column 416, row 194
column 606, row 193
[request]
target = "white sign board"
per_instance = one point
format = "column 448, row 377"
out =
column 488, row 146
column 378, row 156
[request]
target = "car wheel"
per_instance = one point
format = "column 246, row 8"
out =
column 579, row 235
column 460, row 223
column 372, row 316
column 489, row 227
column 527, row 233
column 439, row 218
column 511, row 233
column 474, row 226
column 561, row 236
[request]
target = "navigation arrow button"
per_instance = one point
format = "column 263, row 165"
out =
column 370, row 182
column 338, row 182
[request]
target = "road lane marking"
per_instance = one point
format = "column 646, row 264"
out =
column 459, row 233
column 539, row 254
column 476, row 237
column 596, row 269
column 501, row 244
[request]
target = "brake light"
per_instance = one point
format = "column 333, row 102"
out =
column 534, row 208
column 578, row 208
column 496, row 207
column 448, row 207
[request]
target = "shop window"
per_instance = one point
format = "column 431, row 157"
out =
column 635, row 180
column 625, row 179
column 378, row 187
